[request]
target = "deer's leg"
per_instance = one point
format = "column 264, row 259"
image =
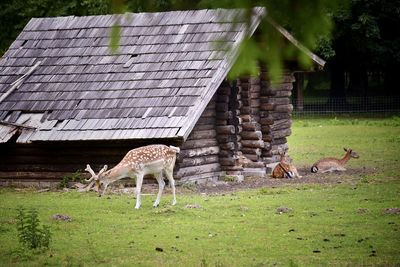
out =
column 139, row 182
column 161, row 185
column 171, row 180
column 104, row 190
column 327, row 170
column 296, row 173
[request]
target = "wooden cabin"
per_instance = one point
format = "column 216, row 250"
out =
column 66, row 100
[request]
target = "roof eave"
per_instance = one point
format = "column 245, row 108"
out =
column 316, row 59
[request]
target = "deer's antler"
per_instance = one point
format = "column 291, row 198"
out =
column 90, row 170
column 102, row 170
column 93, row 178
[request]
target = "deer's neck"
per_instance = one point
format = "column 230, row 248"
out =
column 345, row 159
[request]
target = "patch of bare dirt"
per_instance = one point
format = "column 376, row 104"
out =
column 349, row 176
column 395, row 211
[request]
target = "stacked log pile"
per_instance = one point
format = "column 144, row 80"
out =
column 228, row 127
column 275, row 115
column 250, row 116
column 198, row 159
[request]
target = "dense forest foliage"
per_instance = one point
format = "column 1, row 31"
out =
column 366, row 45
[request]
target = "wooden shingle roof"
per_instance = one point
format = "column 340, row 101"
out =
column 167, row 68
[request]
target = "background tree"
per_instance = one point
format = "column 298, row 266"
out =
column 365, row 45
column 15, row 14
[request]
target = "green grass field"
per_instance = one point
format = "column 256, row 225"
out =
column 342, row 224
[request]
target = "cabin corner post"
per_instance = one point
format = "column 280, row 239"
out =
column 252, row 142
column 198, row 160
column 275, row 114
column 229, row 127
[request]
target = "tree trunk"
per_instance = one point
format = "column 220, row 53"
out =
column 337, row 97
column 337, row 80
column 299, row 87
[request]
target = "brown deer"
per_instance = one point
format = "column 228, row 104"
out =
column 241, row 160
column 153, row 159
column 284, row 169
column 334, row 164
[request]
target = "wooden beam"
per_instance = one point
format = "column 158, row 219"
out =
column 202, row 160
column 194, row 170
column 214, row 150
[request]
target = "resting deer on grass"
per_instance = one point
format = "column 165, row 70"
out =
column 152, row 159
column 284, row 169
column 334, row 164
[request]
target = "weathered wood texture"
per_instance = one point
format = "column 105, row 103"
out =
column 252, row 138
column 275, row 114
column 166, row 67
column 251, row 117
column 229, row 127
column 199, row 158
column 53, row 161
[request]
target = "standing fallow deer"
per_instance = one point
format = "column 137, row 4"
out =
column 153, row 159
column 334, row 164
column 284, row 169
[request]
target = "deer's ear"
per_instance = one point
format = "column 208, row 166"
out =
column 345, row 149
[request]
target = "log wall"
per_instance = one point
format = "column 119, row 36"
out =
column 275, row 115
column 251, row 135
column 46, row 163
column 198, row 160
column 249, row 116
column 229, row 127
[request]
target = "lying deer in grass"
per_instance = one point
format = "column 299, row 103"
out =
column 284, row 169
column 334, row 164
column 152, row 159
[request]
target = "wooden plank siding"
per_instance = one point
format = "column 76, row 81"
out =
column 199, row 157
column 50, row 161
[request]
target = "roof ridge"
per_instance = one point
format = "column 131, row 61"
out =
column 259, row 8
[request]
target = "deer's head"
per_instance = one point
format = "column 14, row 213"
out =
column 96, row 177
column 286, row 170
column 352, row 153
column 241, row 160
column 283, row 169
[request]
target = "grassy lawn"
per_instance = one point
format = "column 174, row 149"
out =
column 335, row 224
